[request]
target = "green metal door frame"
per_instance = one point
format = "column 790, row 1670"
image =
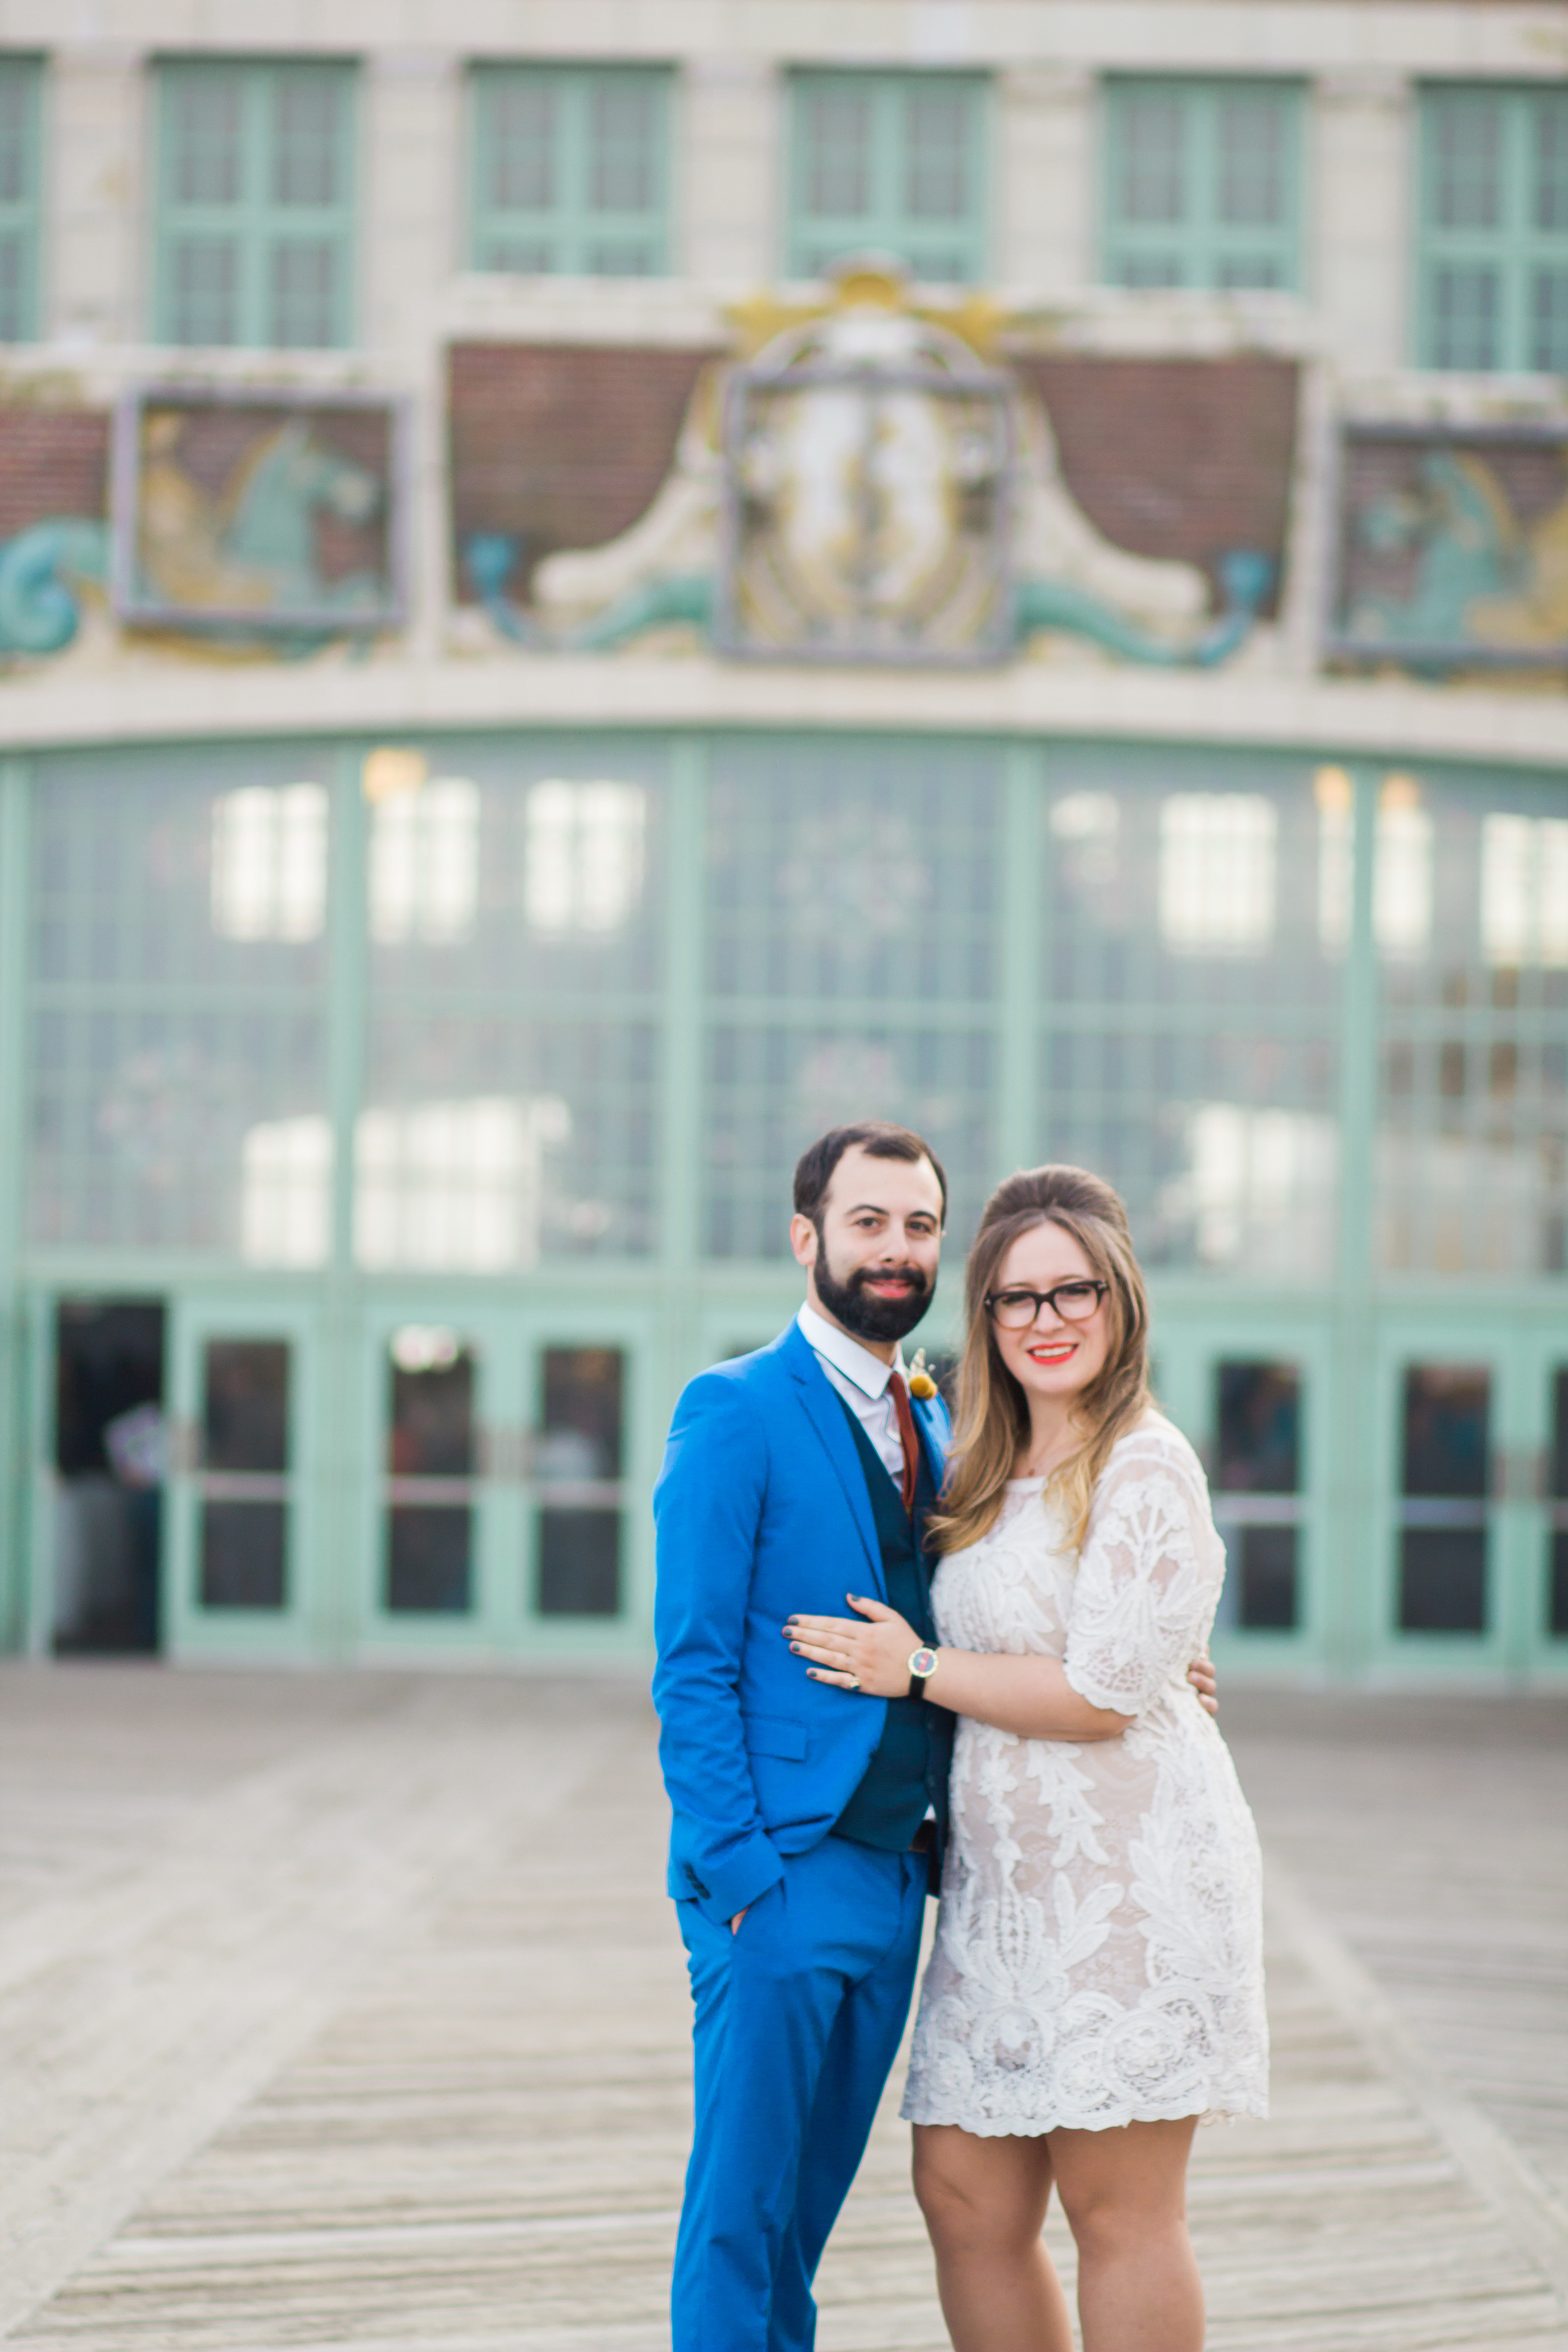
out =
column 17, row 1607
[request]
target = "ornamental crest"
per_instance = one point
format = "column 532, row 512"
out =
column 867, row 467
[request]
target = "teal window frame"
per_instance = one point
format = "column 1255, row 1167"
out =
column 579, row 224
column 254, row 230
column 893, row 154
column 1492, row 237
column 1201, row 241
column 21, row 151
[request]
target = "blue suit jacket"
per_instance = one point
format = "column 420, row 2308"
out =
column 762, row 1510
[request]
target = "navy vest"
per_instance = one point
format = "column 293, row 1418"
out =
column 909, row 1768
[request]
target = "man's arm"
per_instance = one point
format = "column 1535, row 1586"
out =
column 706, row 1507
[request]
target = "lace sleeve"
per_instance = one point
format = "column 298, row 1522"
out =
column 1148, row 1576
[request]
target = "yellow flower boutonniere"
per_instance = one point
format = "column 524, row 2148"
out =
column 921, row 1382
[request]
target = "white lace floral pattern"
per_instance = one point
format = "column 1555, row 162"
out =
column 1098, row 1956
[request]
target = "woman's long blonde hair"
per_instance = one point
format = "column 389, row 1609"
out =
column 991, row 1422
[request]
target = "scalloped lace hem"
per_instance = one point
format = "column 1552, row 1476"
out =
column 1250, row 2109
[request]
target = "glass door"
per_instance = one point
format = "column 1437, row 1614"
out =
column 1448, row 1449
column 1536, row 1485
column 1253, row 1396
column 442, row 1405
column 1556, row 1531
column 512, row 1472
column 239, row 1560
column 588, row 1458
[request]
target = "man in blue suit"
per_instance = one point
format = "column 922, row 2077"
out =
column 808, row 1827
column 805, row 1831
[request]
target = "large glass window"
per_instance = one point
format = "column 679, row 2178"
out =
column 177, row 1030
column 853, row 897
column 20, row 111
column 1493, row 266
column 1189, row 1005
column 1472, row 1151
column 1203, row 183
column 516, row 937
column 571, row 172
column 887, row 163
column 255, row 202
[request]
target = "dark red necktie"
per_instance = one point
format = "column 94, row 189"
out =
column 907, row 1438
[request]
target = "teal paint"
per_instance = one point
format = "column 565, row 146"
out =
column 14, row 1352
column 21, row 207
column 1203, row 183
column 1246, row 577
column 1491, row 267
column 681, row 596
column 254, row 222
column 570, row 170
column 1027, row 986
column 346, row 1467
column 40, row 575
column 1352, row 1559
column 1025, row 958
column 889, row 163
column 682, row 1009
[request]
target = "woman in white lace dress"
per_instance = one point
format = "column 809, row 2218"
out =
column 1097, row 1982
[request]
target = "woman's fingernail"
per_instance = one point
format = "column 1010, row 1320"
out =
column 794, row 1648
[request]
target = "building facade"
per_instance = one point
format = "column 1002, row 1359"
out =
column 586, row 592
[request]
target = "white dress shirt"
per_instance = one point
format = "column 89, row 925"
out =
column 861, row 1379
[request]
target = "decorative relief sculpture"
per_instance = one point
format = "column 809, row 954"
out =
column 866, row 482
column 255, row 514
column 1453, row 547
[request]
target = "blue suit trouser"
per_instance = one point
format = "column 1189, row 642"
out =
column 798, row 2020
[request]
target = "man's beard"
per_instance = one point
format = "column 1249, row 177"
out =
column 850, row 1303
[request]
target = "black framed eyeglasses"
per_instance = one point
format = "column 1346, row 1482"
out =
column 1073, row 1302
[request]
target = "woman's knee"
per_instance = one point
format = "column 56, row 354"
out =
column 1123, row 2184
column 973, row 2199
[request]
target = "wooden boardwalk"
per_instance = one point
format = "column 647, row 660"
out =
column 349, row 2012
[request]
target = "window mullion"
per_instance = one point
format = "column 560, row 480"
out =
column 889, row 163
column 258, row 118
column 568, row 231
column 1202, row 164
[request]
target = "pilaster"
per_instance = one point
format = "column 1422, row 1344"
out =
column 728, row 172
column 1360, row 198
column 1042, row 202
column 96, row 276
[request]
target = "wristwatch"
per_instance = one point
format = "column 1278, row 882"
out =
column 922, row 1666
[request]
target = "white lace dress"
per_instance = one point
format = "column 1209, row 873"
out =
column 1098, row 1948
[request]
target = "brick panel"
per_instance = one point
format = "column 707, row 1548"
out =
column 53, row 462
column 1182, row 459
column 561, row 444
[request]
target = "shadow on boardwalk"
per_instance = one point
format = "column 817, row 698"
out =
column 348, row 2011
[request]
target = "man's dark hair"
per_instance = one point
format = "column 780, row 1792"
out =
column 878, row 1137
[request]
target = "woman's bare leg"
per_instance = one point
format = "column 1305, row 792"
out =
column 1124, row 2195
column 984, row 2204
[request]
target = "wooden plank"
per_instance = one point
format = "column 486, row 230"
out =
column 475, row 2140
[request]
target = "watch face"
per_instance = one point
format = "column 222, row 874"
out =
column 924, row 1663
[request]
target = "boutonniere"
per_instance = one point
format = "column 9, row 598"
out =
column 921, row 1384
